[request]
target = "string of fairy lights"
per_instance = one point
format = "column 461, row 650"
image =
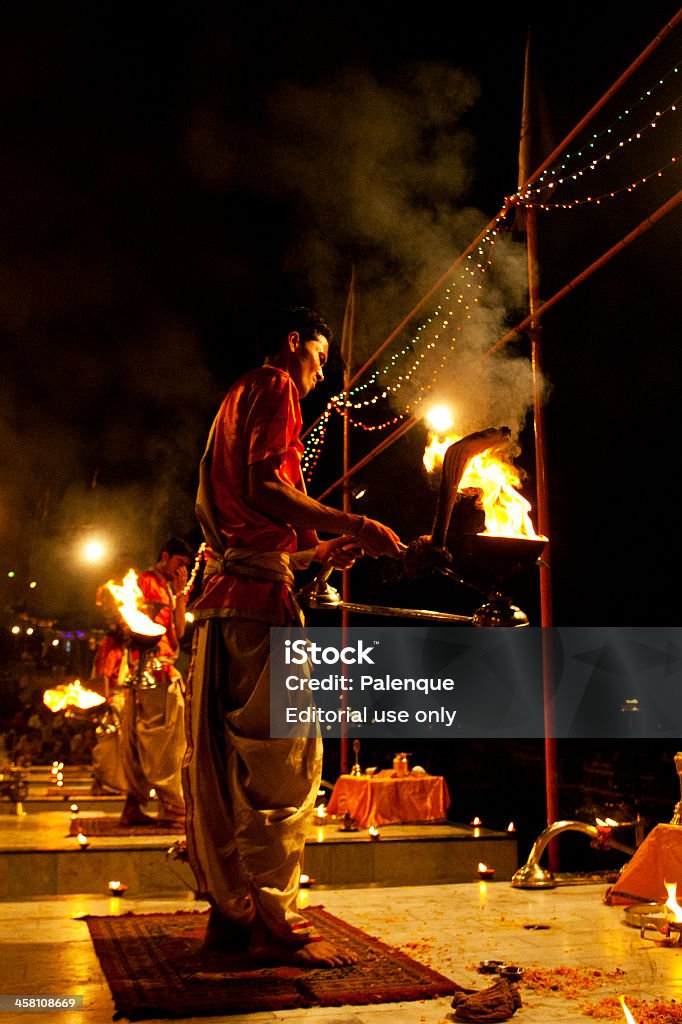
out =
column 430, row 346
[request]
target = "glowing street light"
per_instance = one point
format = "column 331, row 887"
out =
column 94, row 551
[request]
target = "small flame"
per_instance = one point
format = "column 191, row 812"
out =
column 127, row 597
column 671, row 903
column 373, row 832
column 83, row 840
column 321, row 811
column 506, row 511
column 511, row 827
column 476, row 821
column 482, row 866
column 71, row 694
column 628, row 1016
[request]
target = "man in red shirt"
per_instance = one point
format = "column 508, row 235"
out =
column 152, row 722
column 249, row 796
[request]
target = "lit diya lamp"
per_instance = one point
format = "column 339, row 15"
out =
column 485, row 872
column 511, row 827
column 321, row 811
column 477, row 826
column 374, row 833
column 83, row 841
column 117, row 888
column 305, row 881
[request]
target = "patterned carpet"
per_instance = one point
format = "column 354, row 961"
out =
column 109, row 826
column 155, row 967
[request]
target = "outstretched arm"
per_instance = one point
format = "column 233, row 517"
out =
column 271, row 495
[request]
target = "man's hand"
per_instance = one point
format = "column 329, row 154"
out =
column 341, row 552
column 179, row 581
column 377, row 539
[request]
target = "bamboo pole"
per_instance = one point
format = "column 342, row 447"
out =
column 528, row 219
column 347, row 356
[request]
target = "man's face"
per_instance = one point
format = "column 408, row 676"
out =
column 307, row 362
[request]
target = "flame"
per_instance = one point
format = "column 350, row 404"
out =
column 671, row 903
column 482, row 866
column 73, row 695
column 128, row 596
column 506, row 511
column 628, row 1016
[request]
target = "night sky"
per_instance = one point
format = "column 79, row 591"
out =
column 168, row 172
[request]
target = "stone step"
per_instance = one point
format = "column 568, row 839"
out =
column 39, row 858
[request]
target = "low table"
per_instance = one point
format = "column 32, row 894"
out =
column 387, row 799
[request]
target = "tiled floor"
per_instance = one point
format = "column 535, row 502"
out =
column 45, row 950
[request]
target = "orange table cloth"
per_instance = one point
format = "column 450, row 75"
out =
column 388, row 799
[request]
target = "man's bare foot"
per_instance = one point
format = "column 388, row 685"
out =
column 137, row 817
column 225, row 936
column 132, row 814
column 317, row 953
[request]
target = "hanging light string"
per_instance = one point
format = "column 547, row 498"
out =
column 596, row 200
column 558, row 169
column 459, row 302
column 531, row 197
column 458, row 306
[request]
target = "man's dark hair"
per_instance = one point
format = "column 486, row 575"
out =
column 277, row 325
column 177, row 546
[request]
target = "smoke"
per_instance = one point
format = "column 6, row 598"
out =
column 375, row 173
column 178, row 203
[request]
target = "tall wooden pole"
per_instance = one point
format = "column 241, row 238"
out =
column 347, row 356
column 529, row 219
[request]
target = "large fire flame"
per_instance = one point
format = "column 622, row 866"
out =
column 128, row 597
column 71, row 695
column 506, row 511
column 671, row 903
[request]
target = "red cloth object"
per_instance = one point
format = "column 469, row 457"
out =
column 657, row 861
column 386, row 801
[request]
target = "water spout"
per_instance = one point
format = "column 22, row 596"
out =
column 533, row 876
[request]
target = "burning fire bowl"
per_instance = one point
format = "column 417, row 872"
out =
column 493, row 559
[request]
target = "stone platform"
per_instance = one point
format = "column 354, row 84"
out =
column 39, row 858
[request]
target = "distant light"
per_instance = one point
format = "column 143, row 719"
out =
column 16, row 629
column 11, row 574
column 29, row 631
column 33, row 584
column 55, row 643
column 94, row 551
column 439, row 419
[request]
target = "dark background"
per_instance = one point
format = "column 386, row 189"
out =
column 170, row 172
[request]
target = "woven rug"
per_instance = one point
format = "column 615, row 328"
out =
column 155, row 967
column 109, row 826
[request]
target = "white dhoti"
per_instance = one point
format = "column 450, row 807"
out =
column 106, row 754
column 249, row 797
column 153, row 743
